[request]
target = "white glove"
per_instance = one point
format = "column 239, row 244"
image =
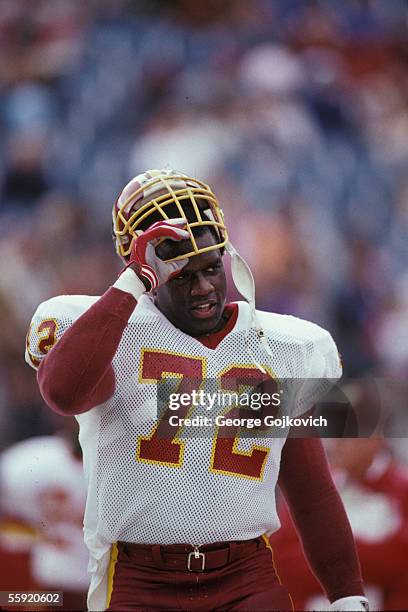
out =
column 350, row 604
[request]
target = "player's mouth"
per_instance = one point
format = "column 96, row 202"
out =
column 205, row 310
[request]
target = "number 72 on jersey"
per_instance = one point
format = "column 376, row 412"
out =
column 161, row 447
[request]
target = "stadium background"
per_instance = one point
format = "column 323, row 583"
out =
column 294, row 111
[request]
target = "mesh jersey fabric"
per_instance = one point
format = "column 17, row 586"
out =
column 132, row 499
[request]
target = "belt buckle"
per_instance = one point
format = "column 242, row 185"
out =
column 197, row 555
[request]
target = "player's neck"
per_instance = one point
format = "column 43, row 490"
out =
column 227, row 322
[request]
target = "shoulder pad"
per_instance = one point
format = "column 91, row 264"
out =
column 323, row 359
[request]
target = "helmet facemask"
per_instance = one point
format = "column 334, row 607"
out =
column 163, row 194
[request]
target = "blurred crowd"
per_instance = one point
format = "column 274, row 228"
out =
column 296, row 113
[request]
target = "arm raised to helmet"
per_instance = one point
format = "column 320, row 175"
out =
column 76, row 374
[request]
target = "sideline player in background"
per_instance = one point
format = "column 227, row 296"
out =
column 174, row 521
column 43, row 489
column 373, row 485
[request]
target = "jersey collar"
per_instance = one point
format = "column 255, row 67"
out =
column 239, row 319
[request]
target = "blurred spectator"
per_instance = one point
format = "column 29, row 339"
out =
column 392, row 333
column 24, row 180
column 355, row 307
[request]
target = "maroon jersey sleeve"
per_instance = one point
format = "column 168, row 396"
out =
column 77, row 373
column 320, row 518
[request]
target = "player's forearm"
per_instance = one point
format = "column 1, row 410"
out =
column 329, row 547
column 320, row 518
column 77, row 373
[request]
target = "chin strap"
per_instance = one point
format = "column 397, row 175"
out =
column 245, row 284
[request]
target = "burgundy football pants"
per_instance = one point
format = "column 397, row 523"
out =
column 144, row 579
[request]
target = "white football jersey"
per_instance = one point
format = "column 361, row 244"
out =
column 192, row 486
column 42, row 484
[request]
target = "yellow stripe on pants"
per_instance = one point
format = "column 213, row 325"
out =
column 111, row 572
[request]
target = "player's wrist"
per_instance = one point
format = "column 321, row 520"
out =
column 129, row 282
column 350, row 604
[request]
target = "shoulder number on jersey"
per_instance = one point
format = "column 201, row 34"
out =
column 47, row 337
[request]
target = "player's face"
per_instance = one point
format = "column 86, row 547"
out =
column 194, row 301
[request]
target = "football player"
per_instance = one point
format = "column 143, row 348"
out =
column 374, row 488
column 175, row 520
column 42, row 487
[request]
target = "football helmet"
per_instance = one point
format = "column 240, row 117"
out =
column 166, row 194
column 155, row 195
